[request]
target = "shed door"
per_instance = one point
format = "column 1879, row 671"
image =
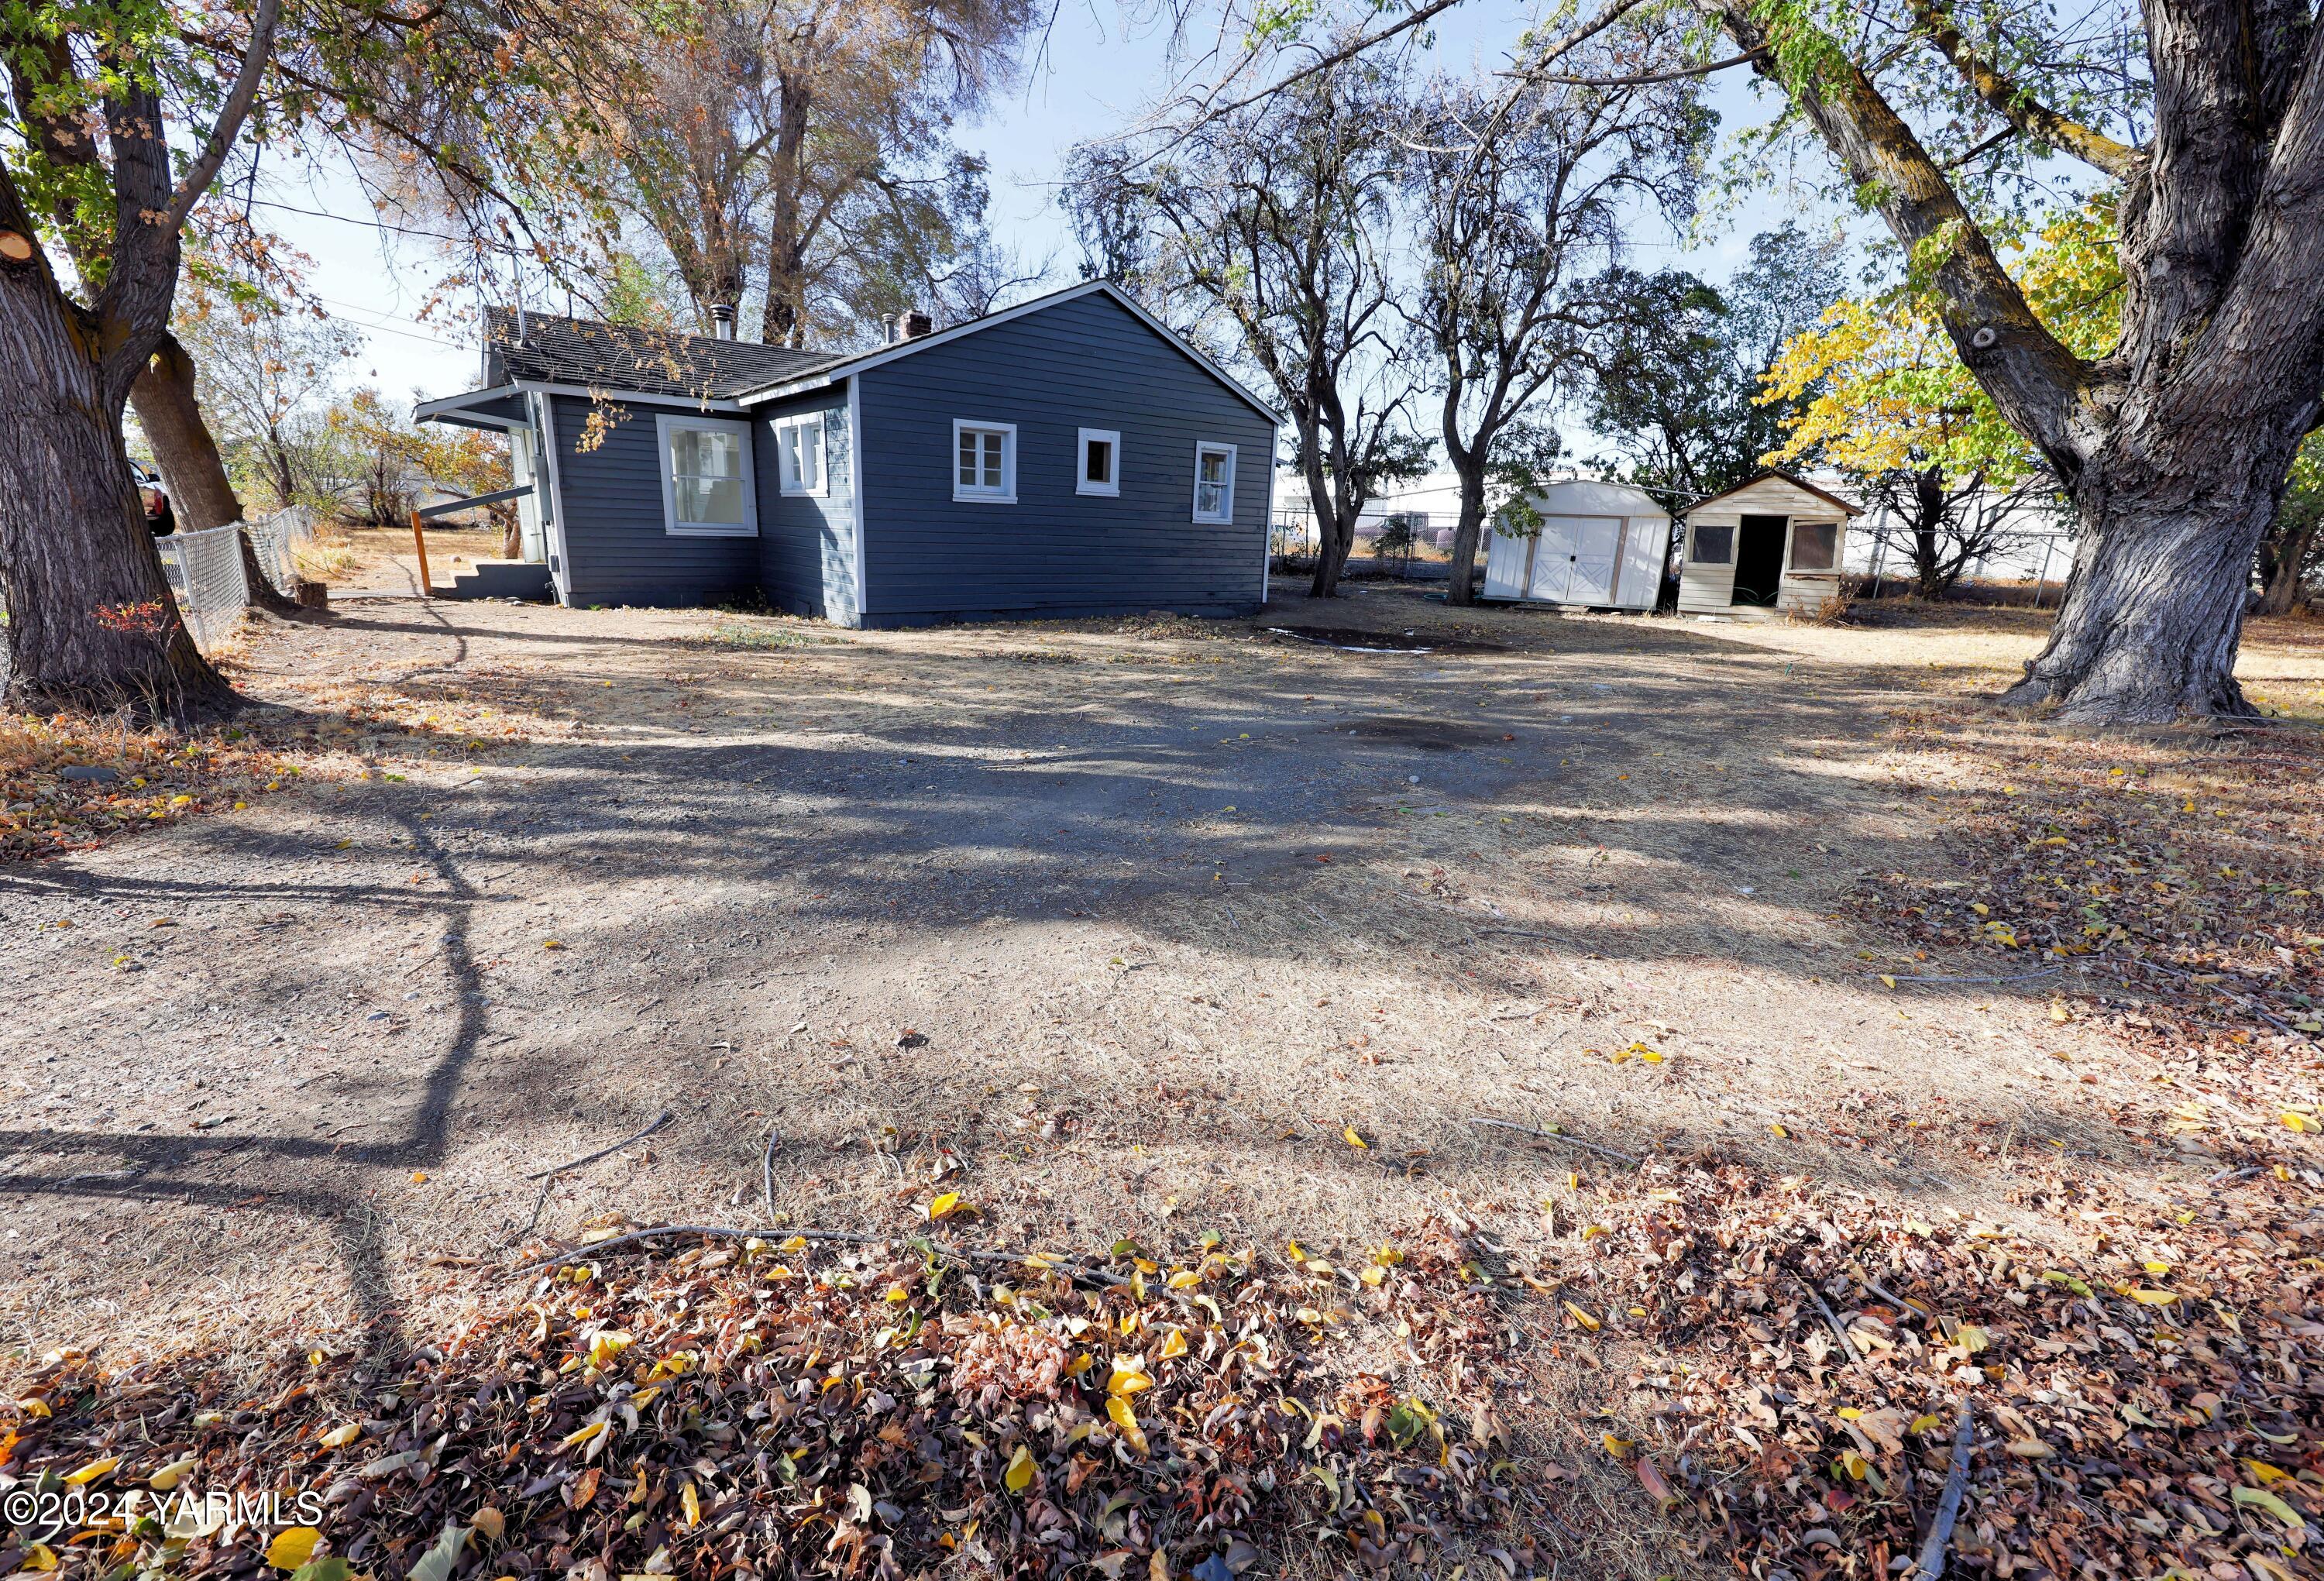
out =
column 1576, row 561
column 1597, row 543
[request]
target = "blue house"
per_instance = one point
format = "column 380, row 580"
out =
column 1067, row 456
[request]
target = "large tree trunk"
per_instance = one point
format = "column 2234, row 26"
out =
column 191, row 468
column 2154, row 604
column 1333, row 536
column 1467, row 531
column 2284, row 556
column 193, row 473
column 91, row 624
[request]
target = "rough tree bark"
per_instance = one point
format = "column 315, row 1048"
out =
column 2176, row 447
column 91, row 624
column 1468, row 530
column 2283, row 558
column 193, row 473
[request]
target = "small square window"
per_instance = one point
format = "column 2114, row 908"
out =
column 985, row 462
column 1714, row 546
column 798, row 446
column 1214, row 469
column 1100, row 462
column 1814, row 545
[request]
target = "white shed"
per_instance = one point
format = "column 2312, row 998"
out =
column 1600, row 544
column 1775, row 543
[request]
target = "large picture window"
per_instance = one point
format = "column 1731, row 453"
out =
column 705, row 477
column 798, row 444
column 985, row 462
column 1214, row 470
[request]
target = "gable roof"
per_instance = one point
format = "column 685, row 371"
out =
column 1779, row 476
column 862, row 361
column 555, row 350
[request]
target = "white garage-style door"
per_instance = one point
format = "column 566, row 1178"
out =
column 1573, row 562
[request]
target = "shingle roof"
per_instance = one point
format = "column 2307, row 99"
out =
column 653, row 361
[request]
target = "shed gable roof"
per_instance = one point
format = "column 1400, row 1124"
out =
column 1777, row 474
column 554, row 350
column 840, row 367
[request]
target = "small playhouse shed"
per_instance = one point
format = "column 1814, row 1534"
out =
column 1600, row 544
column 1773, row 544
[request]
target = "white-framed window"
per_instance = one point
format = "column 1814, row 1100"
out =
column 799, row 450
column 1815, row 546
column 985, row 462
column 705, row 477
column 1714, row 544
column 1214, row 470
column 1099, row 470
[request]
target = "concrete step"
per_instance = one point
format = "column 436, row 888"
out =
column 514, row 579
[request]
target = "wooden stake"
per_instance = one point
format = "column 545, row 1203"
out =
column 419, row 542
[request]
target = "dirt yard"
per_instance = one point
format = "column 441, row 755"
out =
column 1139, row 928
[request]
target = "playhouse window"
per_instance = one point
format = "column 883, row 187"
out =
column 1814, row 545
column 1714, row 546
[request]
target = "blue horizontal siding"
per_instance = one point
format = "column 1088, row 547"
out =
column 1085, row 363
column 620, row 551
column 807, row 543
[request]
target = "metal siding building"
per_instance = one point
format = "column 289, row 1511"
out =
column 1094, row 421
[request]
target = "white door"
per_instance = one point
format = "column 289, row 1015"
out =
column 1576, row 561
column 1597, row 540
column 1505, row 564
column 1553, row 560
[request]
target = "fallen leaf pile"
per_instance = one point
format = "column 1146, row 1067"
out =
column 158, row 774
column 775, row 1411
column 2175, row 885
column 2147, row 1388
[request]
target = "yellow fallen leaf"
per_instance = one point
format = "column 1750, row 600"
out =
column 945, row 1205
column 1922, row 1424
column 1581, row 1317
column 1352, row 1139
column 1118, row 1409
column 2300, row 1121
column 490, row 1521
column 691, row 1503
column 32, row 1405
column 39, row 1557
column 1129, row 1377
column 292, row 1547
column 2266, row 1473
column 169, row 1477
column 1617, row 1448
column 92, row 1471
column 339, row 1438
column 552, row 944
column 580, row 1436
column 1175, row 1346
column 1970, row 1337
column 1019, row 1475
column 608, row 1344
column 1779, row 1129
column 1185, row 1279
column 1854, row 1464
column 2148, row 1296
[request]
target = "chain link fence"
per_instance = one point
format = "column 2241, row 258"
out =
column 206, row 571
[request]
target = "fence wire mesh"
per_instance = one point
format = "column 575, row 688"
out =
column 274, row 538
column 205, row 577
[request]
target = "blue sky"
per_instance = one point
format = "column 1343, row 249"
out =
column 1100, row 70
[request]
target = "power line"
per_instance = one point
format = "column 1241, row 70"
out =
column 376, row 223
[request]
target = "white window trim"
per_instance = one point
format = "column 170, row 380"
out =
column 1202, row 447
column 1008, row 494
column 1082, row 485
column 790, row 485
column 665, row 423
column 1839, row 544
column 1734, row 530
